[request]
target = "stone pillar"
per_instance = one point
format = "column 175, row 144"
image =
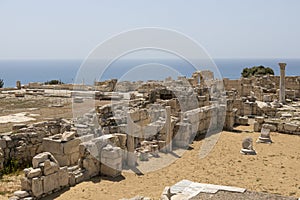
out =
column 131, row 160
column 18, row 85
column 282, row 83
column 169, row 129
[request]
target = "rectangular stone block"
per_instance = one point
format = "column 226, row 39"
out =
column 52, row 146
column 111, row 153
column 37, row 187
column 25, row 184
column 92, row 166
column 63, row 160
column 290, row 127
column 74, row 158
column 50, row 183
column 71, row 146
column 63, row 177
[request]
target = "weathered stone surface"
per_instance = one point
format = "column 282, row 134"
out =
column 63, row 160
column 52, row 146
column 270, row 127
column 290, row 127
column 111, row 161
column 92, row 166
column 51, row 182
column 25, row 184
column 37, row 187
column 21, row 194
column 34, row 173
column 71, row 146
column 18, row 126
column 42, row 157
column 63, row 177
column 50, row 167
column 67, row 136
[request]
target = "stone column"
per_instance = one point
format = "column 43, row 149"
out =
column 169, row 129
column 282, row 83
column 18, row 85
column 131, row 161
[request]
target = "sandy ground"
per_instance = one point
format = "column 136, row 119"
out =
column 275, row 169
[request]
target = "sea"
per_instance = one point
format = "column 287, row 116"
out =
column 72, row 71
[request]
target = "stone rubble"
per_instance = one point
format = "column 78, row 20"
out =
column 147, row 119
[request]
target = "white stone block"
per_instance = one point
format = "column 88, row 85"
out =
column 51, row 182
column 37, row 187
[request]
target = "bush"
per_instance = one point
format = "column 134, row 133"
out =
column 10, row 166
column 256, row 71
column 1, row 83
column 54, row 82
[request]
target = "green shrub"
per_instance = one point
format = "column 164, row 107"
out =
column 54, row 82
column 256, row 71
column 10, row 166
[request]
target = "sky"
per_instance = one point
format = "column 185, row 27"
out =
column 71, row 29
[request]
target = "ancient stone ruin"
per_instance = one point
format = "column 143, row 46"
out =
column 144, row 120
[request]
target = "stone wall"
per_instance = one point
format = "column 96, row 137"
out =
column 277, row 125
column 24, row 142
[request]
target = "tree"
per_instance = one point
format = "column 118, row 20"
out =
column 256, row 71
column 54, row 82
column 1, row 83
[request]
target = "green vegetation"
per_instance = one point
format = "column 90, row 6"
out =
column 257, row 71
column 54, row 82
column 1, row 83
column 11, row 166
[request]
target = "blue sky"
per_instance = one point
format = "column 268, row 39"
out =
column 63, row 29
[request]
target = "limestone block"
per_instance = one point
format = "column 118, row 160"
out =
column 21, row 194
column 37, row 187
column 34, row 173
column 50, row 167
column 111, row 152
column 42, row 157
column 122, row 139
column 281, row 128
column 86, row 138
column 257, row 127
column 150, row 130
column 25, row 184
column 71, row 146
column 16, row 127
column 53, row 146
column 92, row 166
column 260, row 119
column 63, row 177
column 271, row 127
column 63, row 160
column 243, row 121
column 289, row 127
column 68, row 135
column 51, row 182
column 74, row 158
column 183, row 135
